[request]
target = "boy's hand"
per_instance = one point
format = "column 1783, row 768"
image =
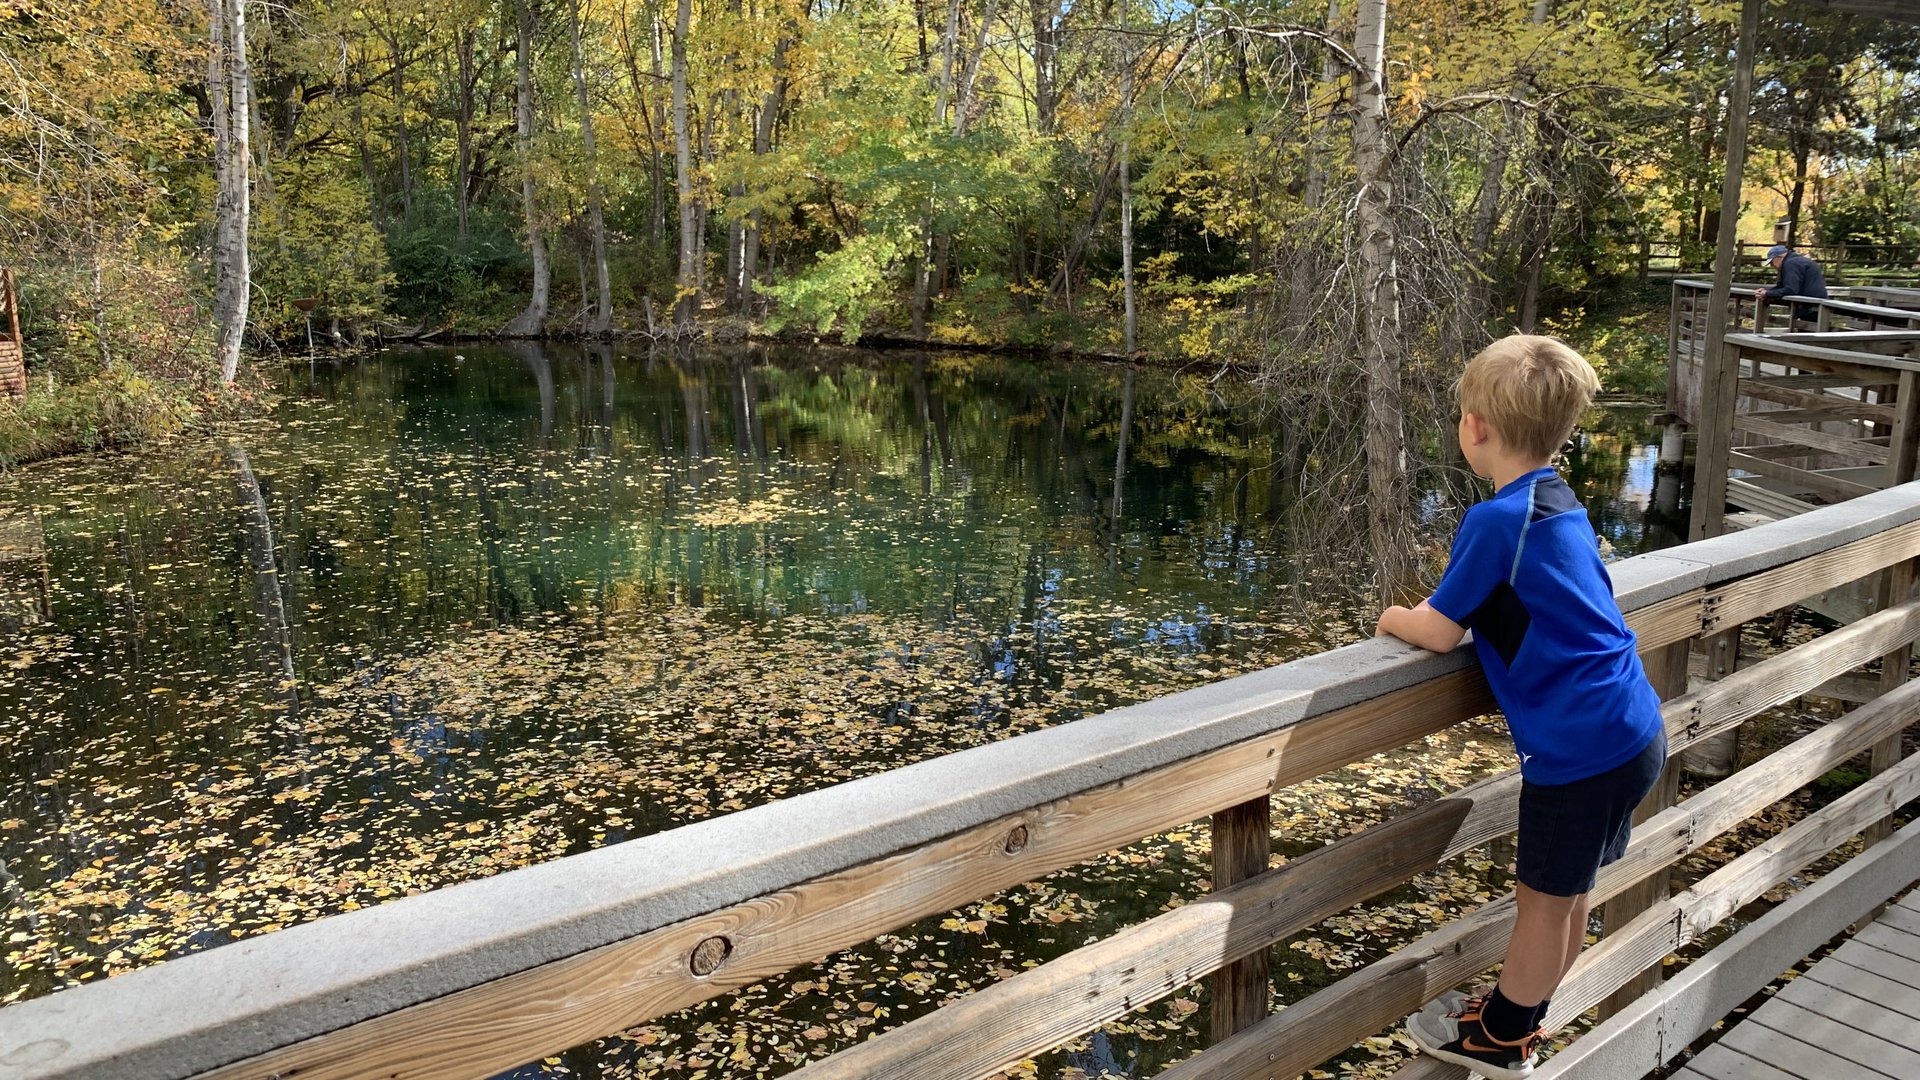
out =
column 1420, row 626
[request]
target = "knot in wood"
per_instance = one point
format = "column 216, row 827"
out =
column 709, row 955
column 1016, row 840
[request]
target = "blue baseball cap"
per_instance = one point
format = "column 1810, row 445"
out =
column 1776, row 251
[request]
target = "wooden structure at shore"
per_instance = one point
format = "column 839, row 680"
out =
column 13, row 347
column 477, row 978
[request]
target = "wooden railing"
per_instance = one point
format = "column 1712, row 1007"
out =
column 1859, row 308
column 1804, row 404
column 1821, row 424
column 480, row 977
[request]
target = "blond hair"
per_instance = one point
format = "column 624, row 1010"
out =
column 1530, row 389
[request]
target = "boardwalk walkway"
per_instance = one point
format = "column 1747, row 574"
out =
column 1854, row 1014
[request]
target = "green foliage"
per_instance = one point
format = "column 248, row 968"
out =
column 120, row 305
column 1625, row 340
column 1880, row 214
column 118, row 407
column 475, row 284
column 117, row 345
column 845, row 288
column 313, row 237
column 1837, row 782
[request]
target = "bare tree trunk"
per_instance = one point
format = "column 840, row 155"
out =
column 400, row 146
column 602, row 323
column 923, row 266
column 1802, row 149
column 530, row 321
column 463, row 127
column 1045, row 16
column 230, row 88
column 763, row 145
column 1126, row 224
column 1380, row 309
column 689, row 292
column 736, row 252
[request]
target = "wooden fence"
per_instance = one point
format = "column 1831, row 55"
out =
column 480, row 977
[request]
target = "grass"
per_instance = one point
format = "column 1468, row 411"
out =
column 113, row 409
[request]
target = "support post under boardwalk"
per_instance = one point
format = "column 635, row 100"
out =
column 1720, row 375
column 1242, row 847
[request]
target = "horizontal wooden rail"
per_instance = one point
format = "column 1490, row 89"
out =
column 1865, row 450
column 482, row 976
column 1684, row 918
column 1658, row 1027
column 1775, row 391
column 1045, row 1006
column 1323, row 1024
column 1826, row 357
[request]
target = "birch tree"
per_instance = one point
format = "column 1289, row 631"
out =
column 687, row 298
column 602, row 322
column 533, row 317
column 229, row 93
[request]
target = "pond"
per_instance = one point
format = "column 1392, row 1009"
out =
column 447, row 612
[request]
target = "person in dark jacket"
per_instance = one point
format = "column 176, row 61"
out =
column 1799, row 276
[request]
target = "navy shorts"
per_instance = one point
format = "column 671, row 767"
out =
column 1569, row 831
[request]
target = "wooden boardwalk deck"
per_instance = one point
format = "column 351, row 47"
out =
column 1854, row 1014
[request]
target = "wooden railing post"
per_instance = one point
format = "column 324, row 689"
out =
column 1904, row 443
column 1715, row 755
column 1896, row 587
column 1674, row 317
column 1242, row 847
column 1667, row 671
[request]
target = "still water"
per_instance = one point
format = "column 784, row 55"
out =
column 447, row 612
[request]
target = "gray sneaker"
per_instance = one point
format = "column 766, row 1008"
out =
column 1464, row 1041
column 1452, row 1003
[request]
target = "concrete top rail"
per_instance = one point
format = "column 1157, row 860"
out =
column 231, row 1003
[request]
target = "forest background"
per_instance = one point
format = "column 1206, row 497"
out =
column 1351, row 195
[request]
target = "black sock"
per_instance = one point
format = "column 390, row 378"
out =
column 1540, row 1014
column 1504, row 1020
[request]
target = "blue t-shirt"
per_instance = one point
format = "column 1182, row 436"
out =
column 1526, row 578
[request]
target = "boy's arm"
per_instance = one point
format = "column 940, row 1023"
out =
column 1420, row 626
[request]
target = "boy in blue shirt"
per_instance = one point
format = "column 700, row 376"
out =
column 1525, row 576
